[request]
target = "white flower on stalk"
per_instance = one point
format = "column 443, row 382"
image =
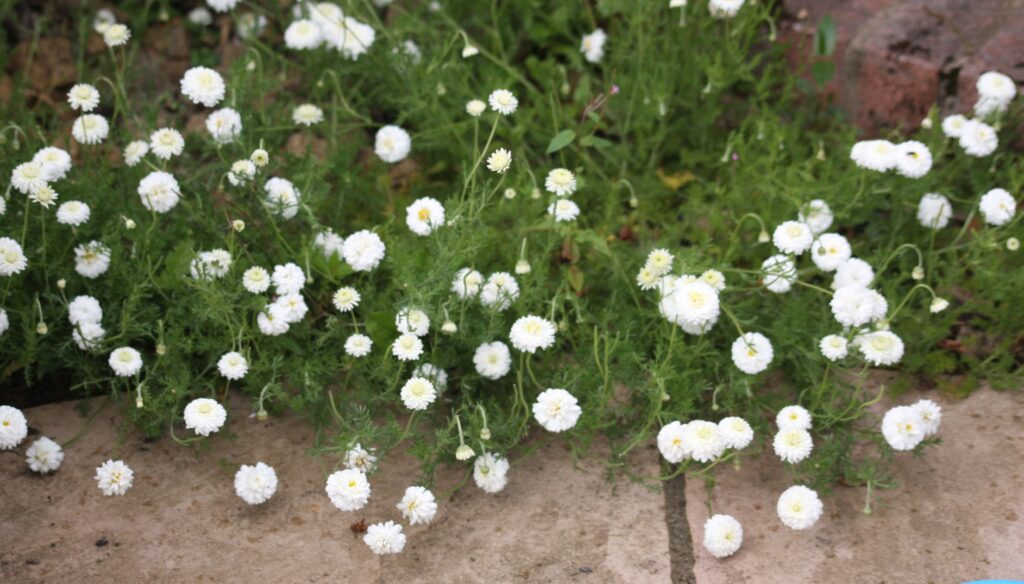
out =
column 205, row 416
column 854, row 306
column 424, row 215
column 793, row 237
column 44, row 196
column 672, row 442
column 166, row 143
column 880, row 347
column 490, row 472
column 853, row 272
column 794, row 417
column 724, row 8
column 329, row 242
column 418, row 505
column 346, row 299
column 90, row 129
column 242, row 171
column 92, row 259
column 303, row 35
column 12, row 257
column 210, row 265
column 418, row 393
column 114, row 477
column 997, row 207
column 200, row 16
column 433, row 373
column 714, row 278
column 358, row 345
column 385, row 538
column 392, row 144
column 73, row 213
column 492, row 360
column 363, row 250
column 735, row 432
column 913, row 159
column 202, row 85
column 556, row 410
column 55, row 162
column 134, row 152
column 530, row 333
column 930, row 415
column 694, row 303
column 255, row 484
column 360, row 458
column 503, row 102
column 752, row 353
column 256, row 280
column 659, row 262
column 273, row 320
column 475, row 108
column 224, row 125
column 799, row 507
column 499, row 161
column 703, row 440
column 561, row 182
column 87, row 335
column 779, row 273
column 412, row 320
column 116, row 35
column 307, row 114
column 500, row 291
column 292, row 307
column 348, row 489
column 233, row 365
column 995, row 92
column 592, row 45
column 13, row 427
column 953, row 126
column 978, row 139
column 83, row 97
column 934, row 211
column 793, row 444
column 222, row 5
column 902, row 428
column 348, row 36
column 723, row 535
column 564, row 210
column 28, row 176
column 830, row 251
column 877, row 155
column 84, row 309
column 407, row 347
column 44, row 455
column 288, row 279
column 282, row 197
column 817, row 215
column 833, row 347
column 467, row 283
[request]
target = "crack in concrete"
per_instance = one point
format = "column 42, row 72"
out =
column 680, row 543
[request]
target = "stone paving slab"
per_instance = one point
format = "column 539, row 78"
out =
column 182, row 522
column 958, row 514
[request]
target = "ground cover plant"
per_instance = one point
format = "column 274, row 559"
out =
column 443, row 227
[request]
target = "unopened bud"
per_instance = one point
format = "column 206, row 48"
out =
column 238, row 225
column 128, row 223
column 464, row 452
column 1013, row 244
column 485, row 434
column 510, row 193
column 449, row 328
column 42, row 329
column 138, row 402
column 470, row 51
column 763, row 237
column 261, row 415
column 161, row 349
column 917, row 273
column 523, row 267
column 62, row 283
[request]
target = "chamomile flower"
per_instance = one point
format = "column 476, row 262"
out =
column 12, row 258
column 413, row 321
column 564, row 210
column 424, row 215
column 292, row 307
column 329, row 242
column 792, row 444
column 307, row 114
column 346, row 299
column 752, row 352
column 273, row 320
column 114, row 477
column 794, row 417
column 224, row 125
column 222, row 5
column 205, row 416
column 392, row 144
column 407, row 347
column 692, row 302
column 116, row 35
column 492, row 360
column 913, row 159
column 90, row 129
column 793, row 237
column 877, row 155
column 349, row 36
column 73, row 213
column 799, row 507
column 880, row 347
column 723, row 535
column 363, row 250
column 348, row 489
column 934, row 211
column 83, row 97
column 303, row 35
column 103, row 19
column 433, row 373
column 134, row 152
column 997, row 207
column 200, row 16
column 28, row 176
column 779, row 273
column 44, row 196
column 13, row 427
column 255, row 484
column 714, row 278
column 125, row 361
column 242, row 171
column 233, row 365
column 418, row 393
column 360, row 458
column 44, row 455
column 288, row 279
column 418, row 505
column 561, row 182
column 256, row 280
column 953, row 126
column 833, row 347
column 978, row 139
column 592, row 45
column 703, row 440
column 490, row 472
column 210, row 265
column 659, row 262
column 938, row 305
column 475, row 108
column 500, row 291
column 724, row 8
column 854, row 306
column 282, row 197
column 530, row 333
column 735, row 432
column 358, row 345
column 166, row 143
column 902, row 428
column 499, row 161
column 995, row 92
column 467, row 283
column 84, row 309
column 92, row 259
column 817, row 215
column 647, row 279
column 203, row 86
column 830, row 251
column 672, row 442
column 55, row 162
column 853, row 272
column 930, row 415
column 556, row 410
column 385, row 538
column 87, row 335
column 503, row 102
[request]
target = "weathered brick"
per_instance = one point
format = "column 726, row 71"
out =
column 1003, row 52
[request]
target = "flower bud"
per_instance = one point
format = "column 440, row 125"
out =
column 917, row 273
column 238, row 225
column 485, row 434
column 926, row 123
column 138, row 402
column 510, row 193
column 259, row 157
column 470, row 51
column 535, row 193
column 261, row 415
column 449, row 328
column 42, row 329
column 938, row 305
column 1013, row 244
column 464, row 452
column 129, row 224
column 523, row 267
column 62, row 283
column 161, row 349
column 763, row 237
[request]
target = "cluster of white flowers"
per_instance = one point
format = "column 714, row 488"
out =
column 911, row 159
column 325, row 24
column 995, row 92
column 904, row 427
column 701, row 440
column 592, row 45
column 86, row 316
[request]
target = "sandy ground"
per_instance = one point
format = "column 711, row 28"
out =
column 957, row 515
column 182, row 522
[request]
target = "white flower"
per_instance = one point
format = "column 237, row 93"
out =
column 938, row 305
column 222, row 5
column 714, row 278
column 256, row 280
column 205, row 416
column 500, row 290
column 880, row 347
column 469, row 51
column 978, row 139
column 125, row 361
column 346, row 299
column 255, row 484
column 209, row 265
column 530, row 333
column 878, row 155
column 134, row 152
column 302, row 35
column 358, row 345
column 103, row 19
column 84, row 309
column 830, row 251
column 412, row 320
column 503, row 102
column 200, row 16
column 792, row 444
column 433, row 373
column 934, row 211
column 499, row 161
column 346, row 35
column 467, row 282
column 794, row 417
column 930, row 415
column 224, row 125
column 329, row 242
column 953, row 126
column 648, row 280
column 564, row 210
column 659, row 262
column 724, row 8
column 363, row 250
column 385, row 538
column 28, row 176
column 475, row 108
column 995, row 92
column 392, row 144
column 44, row 196
column 44, row 455
column 242, row 171
column 87, row 335
column 799, row 507
column 694, row 303
column 54, row 161
column 13, row 427
column 348, row 489
column 202, row 85
column 490, row 472
column 166, row 143
column 833, row 347
column 293, row 307
column 561, row 182
column 260, row 157
column 424, row 215
column 556, row 410
column 407, row 347
column 116, row 35
column 288, row 279
column 752, row 353
column 282, row 197
column 913, row 159
column 492, row 360
column 114, row 477
column 418, row 505
column 997, row 207
column 672, row 442
column 73, row 213
column 5, row 322
column 735, row 432
column 703, row 440
column 779, row 273
column 902, row 428
column 159, row 191
column 307, row 114
column 273, row 321
column 793, row 237
column 817, row 215
column 418, row 393
column 360, row 458
column 90, row 129
column 12, row 258
column 83, row 97
column 593, row 45
column 233, row 365
column 853, row 272
column 854, row 306
column 723, row 534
